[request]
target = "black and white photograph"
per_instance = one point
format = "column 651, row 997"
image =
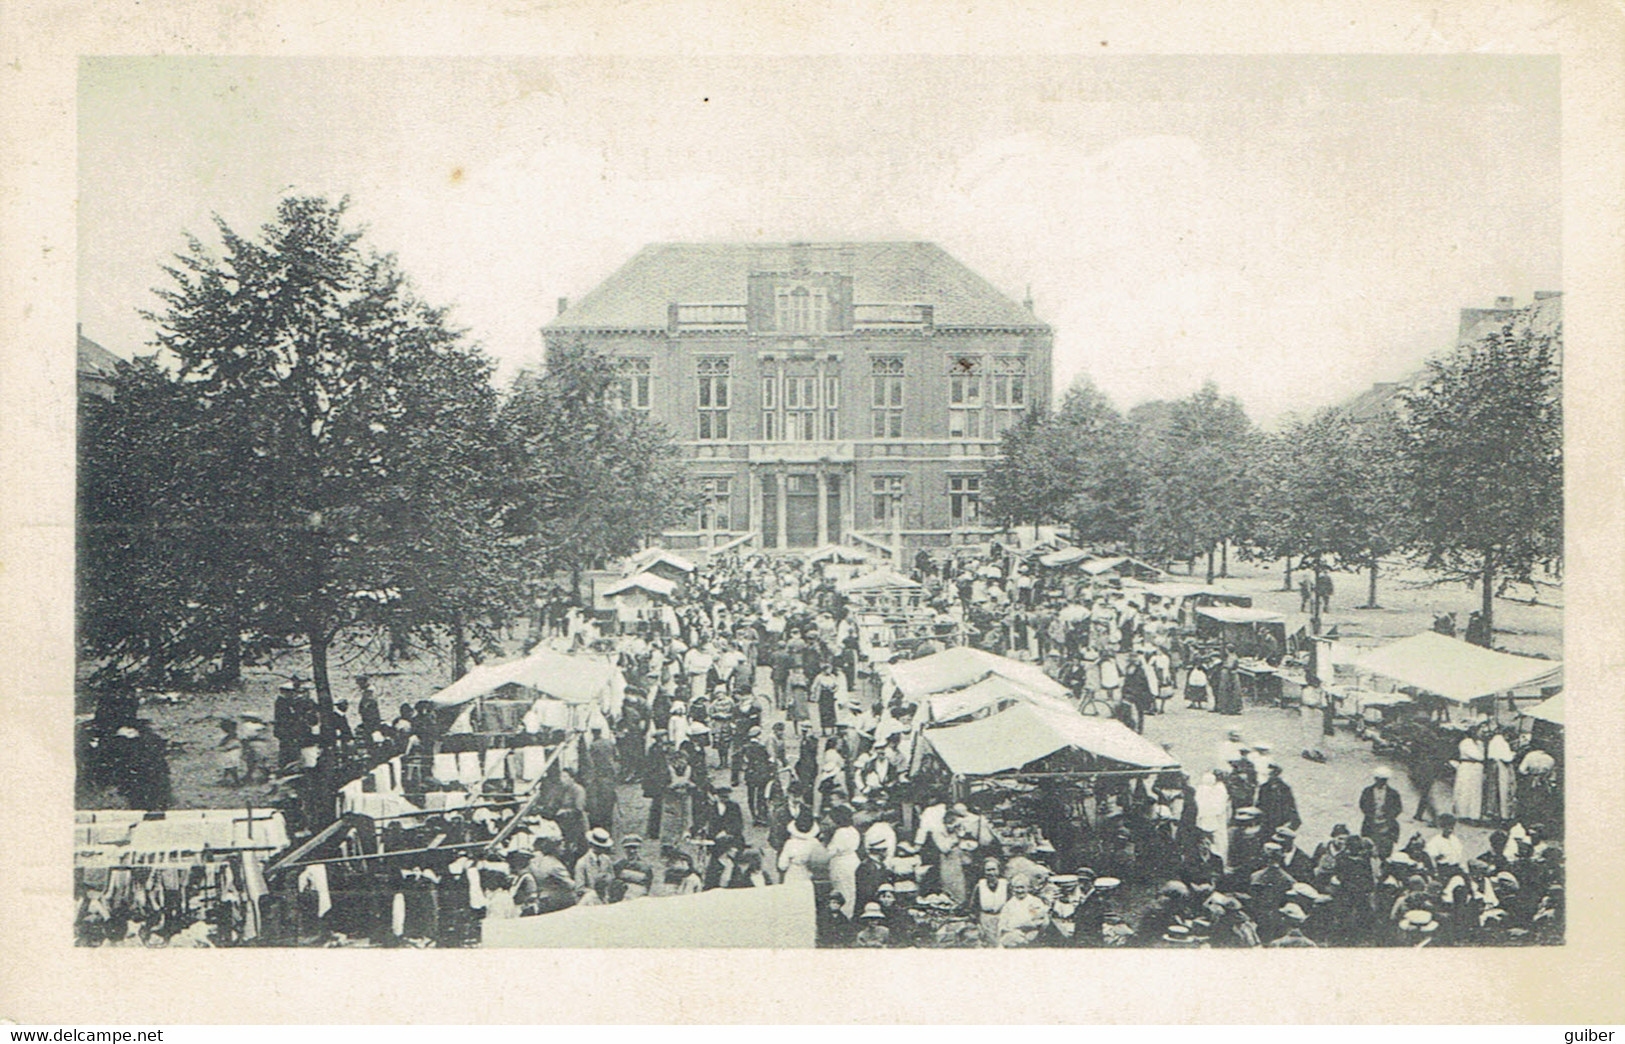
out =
column 868, row 502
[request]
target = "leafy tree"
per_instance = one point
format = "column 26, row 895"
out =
column 1035, row 477
column 1074, row 466
column 1482, row 447
column 1193, row 458
column 1328, row 489
column 1096, row 446
column 337, row 431
column 146, row 611
column 584, row 481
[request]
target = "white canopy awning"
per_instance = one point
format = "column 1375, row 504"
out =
column 657, row 585
column 649, row 556
column 1065, row 556
column 1022, row 734
column 991, row 691
column 1235, row 615
column 1548, row 710
column 880, row 580
column 962, row 666
column 1457, row 670
column 778, row 917
column 556, row 675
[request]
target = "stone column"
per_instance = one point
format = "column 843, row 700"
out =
column 823, row 508
column 779, row 505
column 753, row 504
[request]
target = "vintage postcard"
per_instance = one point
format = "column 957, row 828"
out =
column 602, row 510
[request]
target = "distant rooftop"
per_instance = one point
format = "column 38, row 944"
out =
column 94, row 360
column 637, row 295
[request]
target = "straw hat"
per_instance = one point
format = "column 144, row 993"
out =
column 598, row 837
column 1294, row 912
column 872, row 912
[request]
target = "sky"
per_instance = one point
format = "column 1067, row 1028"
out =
column 1293, row 228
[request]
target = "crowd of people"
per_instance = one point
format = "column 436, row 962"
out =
column 756, row 744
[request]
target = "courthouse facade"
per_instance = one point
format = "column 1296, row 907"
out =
column 821, row 390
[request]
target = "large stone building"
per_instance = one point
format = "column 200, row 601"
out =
column 821, row 390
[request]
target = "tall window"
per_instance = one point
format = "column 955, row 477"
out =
column 716, row 504
column 964, row 498
column 887, row 407
column 802, row 310
column 631, row 389
column 1009, row 392
column 801, row 408
column 965, row 397
column 770, row 407
column 888, row 496
column 832, row 406
column 713, row 371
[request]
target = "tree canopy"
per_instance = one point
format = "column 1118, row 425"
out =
column 1482, row 448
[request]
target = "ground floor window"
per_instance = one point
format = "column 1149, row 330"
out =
column 887, row 489
column 716, row 504
column 964, row 499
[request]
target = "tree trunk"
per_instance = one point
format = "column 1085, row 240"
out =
column 1371, row 588
column 575, row 582
column 318, row 677
column 1314, row 601
column 1210, row 565
column 1487, row 605
column 231, row 656
column 1224, row 557
column 1286, row 584
column 459, row 648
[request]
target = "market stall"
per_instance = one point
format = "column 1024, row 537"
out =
column 1122, row 567
column 777, row 917
column 643, row 598
column 1464, row 680
column 990, row 695
column 880, row 590
column 190, row 877
column 1050, row 780
column 961, row 667
column 667, row 565
column 1063, row 558
column 1024, row 733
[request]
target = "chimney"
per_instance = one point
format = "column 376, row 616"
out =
column 1504, row 302
column 564, row 302
column 1027, row 301
column 1547, row 295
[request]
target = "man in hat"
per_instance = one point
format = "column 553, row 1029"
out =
column 755, row 764
column 656, row 778
column 290, row 720
column 1247, row 839
column 1294, row 860
column 595, row 870
column 1276, row 801
column 1293, row 917
column 722, row 816
column 872, row 932
column 1380, row 808
column 633, row 877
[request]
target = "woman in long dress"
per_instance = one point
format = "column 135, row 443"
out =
column 1498, row 778
column 1213, row 814
column 801, row 852
column 844, row 858
column 1469, row 795
column 952, row 868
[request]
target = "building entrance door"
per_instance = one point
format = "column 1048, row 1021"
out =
column 801, row 511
